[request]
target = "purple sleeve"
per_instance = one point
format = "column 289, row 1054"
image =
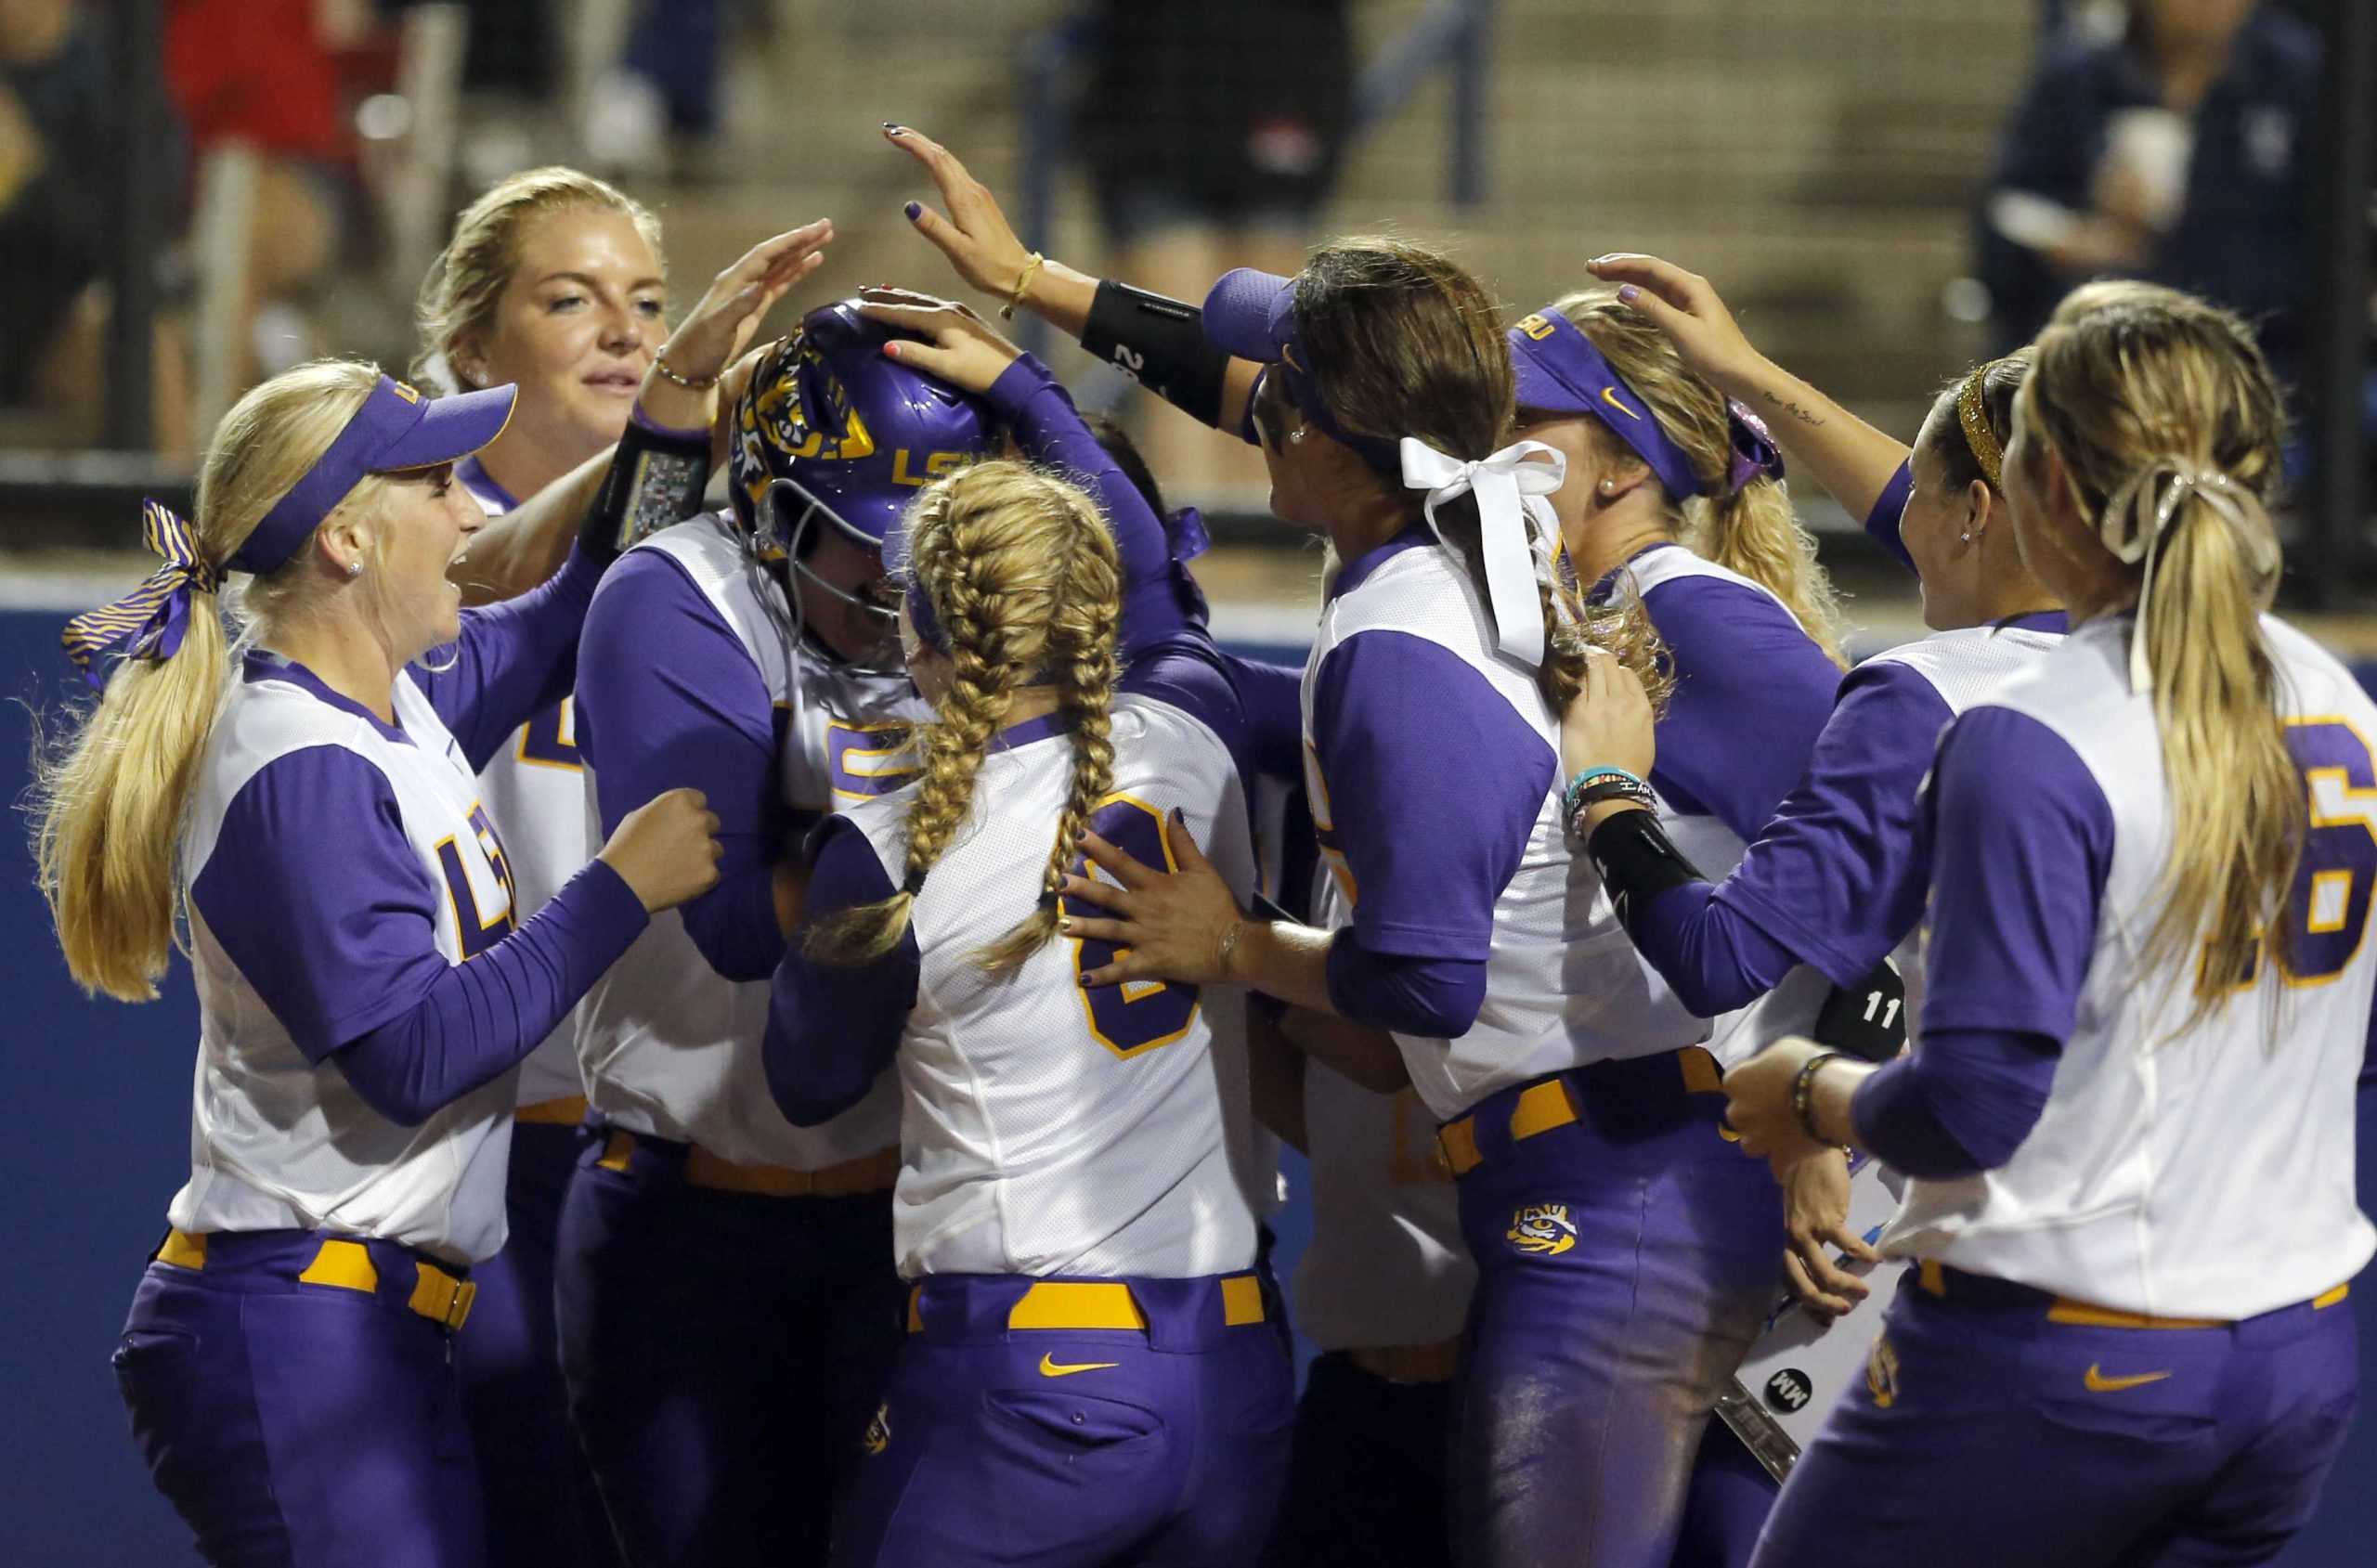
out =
column 1714, row 960
column 1273, row 695
column 2016, row 876
column 1188, row 672
column 833, row 1031
column 1840, row 875
column 1752, row 691
column 668, row 698
column 1427, row 996
column 1433, row 784
column 1881, row 524
column 1049, row 429
column 478, row 1019
column 353, row 956
column 1960, row 1103
column 512, row 660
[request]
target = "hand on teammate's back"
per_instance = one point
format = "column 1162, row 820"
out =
column 667, row 850
column 951, row 343
column 1609, row 721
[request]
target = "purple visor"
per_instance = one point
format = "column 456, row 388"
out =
column 1560, row 371
column 1252, row 315
column 395, row 429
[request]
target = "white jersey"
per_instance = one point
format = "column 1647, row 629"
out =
column 1047, row 1130
column 1387, row 1265
column 1962, row 666
column 2205, row 1173
column 535, row 790
column 671, row 1047
column 1564, row 985
column 1711, row 845
column 277, row 1143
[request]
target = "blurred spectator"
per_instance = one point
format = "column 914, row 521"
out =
column 54, row 132
column 265, row 73
column 1214, row 131
column 2175, row 153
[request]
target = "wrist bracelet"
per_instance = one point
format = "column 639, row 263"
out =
column 691, row 384
column 1022, row 281
column 1227, row 945
column 1803, row 1092
column 1605, row 783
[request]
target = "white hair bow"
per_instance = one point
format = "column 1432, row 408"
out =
column 1510, row 486
column 2217, row 491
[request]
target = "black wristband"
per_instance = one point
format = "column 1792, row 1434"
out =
column 1866, row 1020
column 655, row 479
column 1636, row 861
column 1160, row 344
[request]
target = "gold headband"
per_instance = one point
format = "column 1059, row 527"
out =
column 1978, row 435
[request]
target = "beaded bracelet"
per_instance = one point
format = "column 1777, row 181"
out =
column 1022, row 281
column 1803, row 1092
column 1592, row 787
column 691, row 384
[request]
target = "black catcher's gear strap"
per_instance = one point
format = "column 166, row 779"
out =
column 1868, row 1019
column 655, row 479
column 1160, row 344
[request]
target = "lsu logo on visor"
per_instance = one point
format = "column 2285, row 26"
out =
column 1542, row 1229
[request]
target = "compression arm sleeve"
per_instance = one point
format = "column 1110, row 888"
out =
column 1161, row 343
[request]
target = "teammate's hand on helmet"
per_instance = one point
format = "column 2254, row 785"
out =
column 976, row 236
column 951, row 343
column 1686, row 306
column 1174, row 925
column 1757, row 1103
column 667, row 850
column 721, row 324
column 1609, row 720
column 1815, row 1214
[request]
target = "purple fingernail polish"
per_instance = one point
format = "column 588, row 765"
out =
column 1626, row 292
column 914, row 211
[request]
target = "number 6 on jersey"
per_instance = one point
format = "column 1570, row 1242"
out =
column 1138, row 1014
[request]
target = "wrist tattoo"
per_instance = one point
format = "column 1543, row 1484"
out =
column 1804, row 416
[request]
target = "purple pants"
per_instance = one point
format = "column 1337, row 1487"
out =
column 1160, row 1447
column 1729, row 1497
column 723, row 1352
column 1986, row 1435
column 298, row 1424
column 1625, row 1262
column 542, row 1509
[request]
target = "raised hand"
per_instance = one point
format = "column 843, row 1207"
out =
column 1686, row 306
column 949, row 342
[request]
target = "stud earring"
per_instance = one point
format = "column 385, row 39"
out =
column 1966, row 537
column 1609, row 486
column 1296, row 434
column 354, row 568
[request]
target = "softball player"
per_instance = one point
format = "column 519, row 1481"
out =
column 1462, row 940
column 1113, row 1252
column 2130, row 1115
column 288, row 1359
column 553, row 281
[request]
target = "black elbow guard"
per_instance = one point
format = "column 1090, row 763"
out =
column 1637, row 862
column 655, row 479
column 1867, row 1020
column 1160, row 344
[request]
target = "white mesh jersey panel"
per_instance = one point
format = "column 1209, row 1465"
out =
column 1047, row 1130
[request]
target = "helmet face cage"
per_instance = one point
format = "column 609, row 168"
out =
column 790, row 521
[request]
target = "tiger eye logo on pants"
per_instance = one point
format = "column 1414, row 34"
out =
column 879, row 1430
column 1542, row 1229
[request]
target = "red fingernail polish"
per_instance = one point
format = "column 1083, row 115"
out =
column 892, row 351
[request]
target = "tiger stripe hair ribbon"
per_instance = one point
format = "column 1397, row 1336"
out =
column 150, row 621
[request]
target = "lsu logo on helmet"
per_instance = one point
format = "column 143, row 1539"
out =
column 878, row 1431
column 1542, row 1229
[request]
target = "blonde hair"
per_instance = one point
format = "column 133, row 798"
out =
column 1752, row 530
column 1022, row 572
column 465, row 283
column 2133, row 395
column 110, row 797
column 1405, row 342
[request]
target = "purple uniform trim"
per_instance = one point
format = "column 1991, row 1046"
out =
column 1752, row 692
column 1273, row 695
column 1430, row 852
column 1959, row 1104
column 833, row 1030
column 511, row 660
column 1712, row 958
column 1186, row 671
column 475, row 478
column 477, row 1020
column 352, row 960
column 1881, row 524
column 1424, row 996
column 1041, row 414
column 668, row 698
